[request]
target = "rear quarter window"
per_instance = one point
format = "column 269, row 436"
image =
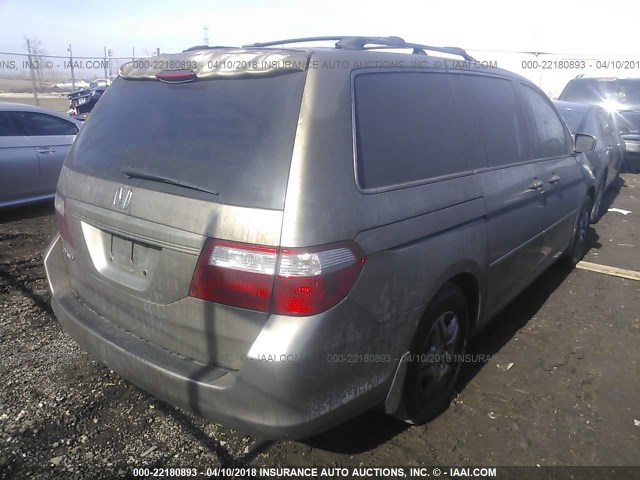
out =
column 409, row 127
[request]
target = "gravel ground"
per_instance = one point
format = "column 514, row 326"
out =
column 560, row 386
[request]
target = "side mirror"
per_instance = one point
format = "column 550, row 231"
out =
column 583, row 143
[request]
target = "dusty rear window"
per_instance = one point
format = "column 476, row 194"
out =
column 231, row 136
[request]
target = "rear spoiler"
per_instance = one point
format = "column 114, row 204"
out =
column 219, row 63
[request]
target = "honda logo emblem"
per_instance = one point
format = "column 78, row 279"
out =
column 122, row 198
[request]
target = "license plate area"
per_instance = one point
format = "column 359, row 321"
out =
column 132, row 256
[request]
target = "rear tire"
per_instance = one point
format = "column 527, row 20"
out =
column 434, row 365
column 577, row 249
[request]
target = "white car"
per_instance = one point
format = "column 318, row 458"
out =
column 33, row 145
column 69, row 86
column 100, row 82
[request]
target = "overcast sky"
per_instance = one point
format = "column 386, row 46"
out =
column 581, row 27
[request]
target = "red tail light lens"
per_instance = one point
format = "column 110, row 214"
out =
column 313, row 280
column 176, row 76
column 60, row 204
column 288, row 281
column 235, row 274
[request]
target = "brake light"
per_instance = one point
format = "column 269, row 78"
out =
column 60, row 204
column 176, row 76
column 287, row 281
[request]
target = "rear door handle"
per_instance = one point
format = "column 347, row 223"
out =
column 536, row 185
column 46, row 150
column 555, row 178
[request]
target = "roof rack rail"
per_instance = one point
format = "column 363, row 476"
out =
column 360, row 43
column 204, row 47
column 296, row 40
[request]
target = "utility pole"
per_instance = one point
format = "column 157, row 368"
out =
column 33, row 75
column 106, row 64
column 158, row 51
column 73, row 76
column 205, row 33
column 110, row 52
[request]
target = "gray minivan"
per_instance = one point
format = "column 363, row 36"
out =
column 281, row 238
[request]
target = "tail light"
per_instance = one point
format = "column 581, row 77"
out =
column 286, row 281
column 60, row 204
column 176, row 76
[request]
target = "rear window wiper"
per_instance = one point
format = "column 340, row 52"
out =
column 133, row 173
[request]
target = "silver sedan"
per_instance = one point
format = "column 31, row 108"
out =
column 33, row 145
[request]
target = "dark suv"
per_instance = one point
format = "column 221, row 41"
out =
column 609, row 92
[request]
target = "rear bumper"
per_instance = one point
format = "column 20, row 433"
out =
column 275, row 394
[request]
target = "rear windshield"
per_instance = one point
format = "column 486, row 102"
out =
column 573, row 119
column 625, row 92
column 230, row 136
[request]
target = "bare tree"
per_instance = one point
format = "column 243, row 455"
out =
column 38, row 54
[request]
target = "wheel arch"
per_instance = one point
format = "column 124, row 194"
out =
column 469, row 280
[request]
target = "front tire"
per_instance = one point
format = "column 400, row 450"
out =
column 577, row 249
column 434, row 365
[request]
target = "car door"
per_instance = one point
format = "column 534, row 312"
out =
column 613, row 145
column 18, row 162
column 51, row 137
column 511, row 186
column 560, row 173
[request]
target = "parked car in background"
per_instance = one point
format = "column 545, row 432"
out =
column 83, row 101
column 609, row 92
column 70, row 86
column 606, row 159
column 628, row 123
column 100, row 82
column 280, row 247
column 33, row 145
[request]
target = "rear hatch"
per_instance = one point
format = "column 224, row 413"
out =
column 179, row 149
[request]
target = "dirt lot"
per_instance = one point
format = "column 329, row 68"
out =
column 561, row 386
column 52, row 101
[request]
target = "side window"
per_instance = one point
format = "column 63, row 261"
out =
column 550, row 136
column 42, row 124
column 7, row 127
column 409, row 127
column 496, row 106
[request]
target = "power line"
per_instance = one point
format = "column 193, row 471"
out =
column 66, row 57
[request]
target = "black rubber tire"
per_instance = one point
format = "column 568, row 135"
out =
column 577, row 249
column 420, row 405
column 596, row 209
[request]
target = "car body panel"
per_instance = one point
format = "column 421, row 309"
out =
column 607, row 157
column 31, row 163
